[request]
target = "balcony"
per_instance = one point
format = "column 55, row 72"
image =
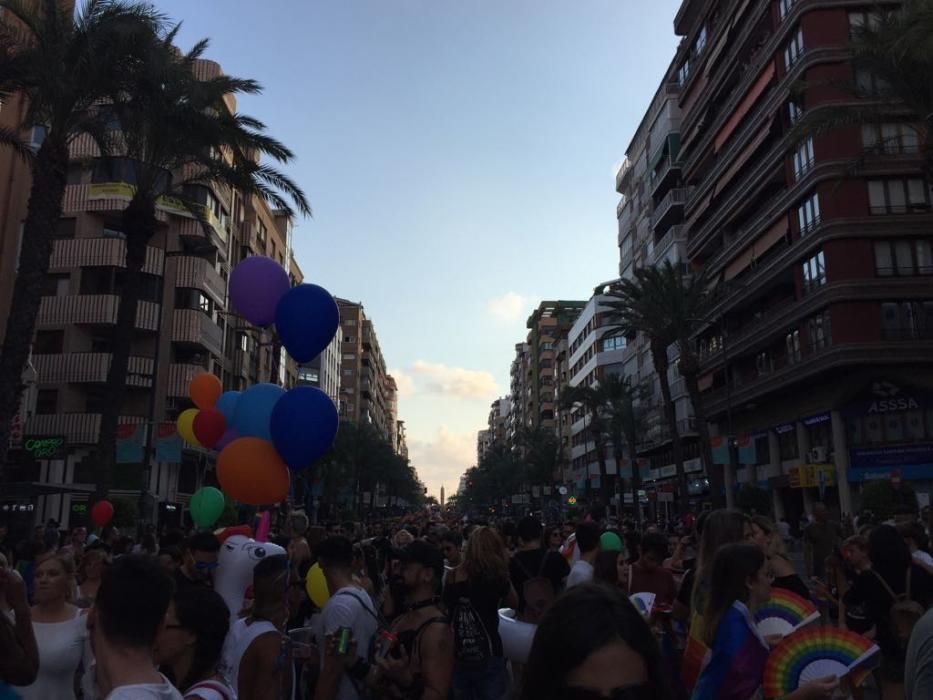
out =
column 101, row 197
column 676, row 234
column 672, row 203
column 198, row 273
column 77, row 428
column 69, row 253
column 194, row 327
column 83, row 147
column 180, row 376
column 93, row 309
column 89, row 368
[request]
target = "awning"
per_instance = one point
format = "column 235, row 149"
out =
column 701, row 207
column 716, row 50
column 762, row 245
column 695, row 91
column 745, row 106
column 743, row 157
column 658, row 155
column 670, row 146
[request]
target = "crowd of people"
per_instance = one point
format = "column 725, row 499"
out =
column 413, row 609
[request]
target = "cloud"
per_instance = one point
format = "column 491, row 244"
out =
column 442, row 458
column 404, row 382
column 508, row 308
column 454, row 381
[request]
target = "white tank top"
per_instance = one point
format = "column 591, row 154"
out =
column 240, row 636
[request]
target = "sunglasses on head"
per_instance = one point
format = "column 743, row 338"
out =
column 206, row 565
column 629, row 692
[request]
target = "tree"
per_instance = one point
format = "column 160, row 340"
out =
column 625, row 420
column 592, row 402
column 541, row 455
column 62, row 65
column 178, row 132
column 668, row 305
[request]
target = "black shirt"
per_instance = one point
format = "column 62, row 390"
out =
column 466, row 598
column 533, row 563
column 182, row 582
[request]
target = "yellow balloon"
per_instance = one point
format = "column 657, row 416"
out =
column 316, row 586
column 185, row 425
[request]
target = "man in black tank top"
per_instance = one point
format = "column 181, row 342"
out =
column 421, row 662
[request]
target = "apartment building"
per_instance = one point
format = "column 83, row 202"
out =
column 401, row 445
column 497, row 423
column 819, row 349
column 483, row 445
column 184, row 326
column 323, row 372
column 519, row 388
column 367, row 392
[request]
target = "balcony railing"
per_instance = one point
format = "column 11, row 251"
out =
column 180, row 376
column 89, row 367
column 78, row 428
column 661, row 248
column 196, row 327
column 93, row 309
column 676, row 197
column 68, row 253
column 198, row 273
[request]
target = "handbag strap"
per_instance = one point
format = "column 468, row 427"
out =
column 888, row 588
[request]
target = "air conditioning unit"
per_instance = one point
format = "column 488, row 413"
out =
column 817, row 455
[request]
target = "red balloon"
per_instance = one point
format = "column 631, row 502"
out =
column 209, row 426
column 101, row 513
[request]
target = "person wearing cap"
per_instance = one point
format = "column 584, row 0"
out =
column 420, row 663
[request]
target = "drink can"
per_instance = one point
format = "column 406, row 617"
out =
column 387, row 642
column 343, row 640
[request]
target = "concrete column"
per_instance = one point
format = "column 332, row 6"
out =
column 774, row 460
column 841, row 459
column 803, row 447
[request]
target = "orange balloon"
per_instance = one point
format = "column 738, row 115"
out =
column 250, row 471
column 205, row 389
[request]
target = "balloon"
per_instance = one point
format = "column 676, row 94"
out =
column 256, row 286
column 316, row 586
column 304, row 425
column 230, row 434
column 610, row 542
column 101, row 513
column 226, row 404
column 205, row 389
column 306, row 320
column 254, row 410
column 206, row 505
column 250, row 471
column 185, row 425
column 209, row 426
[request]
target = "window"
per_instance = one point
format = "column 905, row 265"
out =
column 803, row 158
column 261, row 232
column 684, row 73
column 48, row 342
column 55, row 285
column 808, row 214
column 348, row 373
column 349, row 355
column 792, row 344
column 114, row 233
column 904, row 196
column 794, row 111
column 870, row 85
column 794, row 50
column 46, row 402
column 309, row 375
column 814, row 272
column 907, row 320
column 617, row 343
column 863, row 20
column 700, row 42
column 763, row 363
column 784, row 7
column 893, row 138
column 350, row 322
column 818, row 331
column 904, row 258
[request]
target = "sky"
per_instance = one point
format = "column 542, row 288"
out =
column 460, row 158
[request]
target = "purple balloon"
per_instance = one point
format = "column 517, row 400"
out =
column 230, row 434
column 256, row 286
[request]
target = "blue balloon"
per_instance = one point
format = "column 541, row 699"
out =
column 254, row 410
column 226, row 404
column 306, row 320
column 304, row 425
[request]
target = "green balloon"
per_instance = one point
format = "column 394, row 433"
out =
column 207, row 503
column 610, row 542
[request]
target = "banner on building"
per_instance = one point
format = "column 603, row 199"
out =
column 130, row 439
column 812, row 476
column 720, row 445
column 168, row 444
column 644, row 467
column 747, row 452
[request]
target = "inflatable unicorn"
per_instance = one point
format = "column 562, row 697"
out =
column 239, row 554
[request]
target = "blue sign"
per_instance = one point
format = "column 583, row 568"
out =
column 894, row 456
column 910, row 472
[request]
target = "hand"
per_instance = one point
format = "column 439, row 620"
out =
column 821, row 688
column 773, row 639
column 13, row 588
column 335, row 660
column 396, row 669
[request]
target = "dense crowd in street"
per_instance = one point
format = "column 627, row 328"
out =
column 431, row 605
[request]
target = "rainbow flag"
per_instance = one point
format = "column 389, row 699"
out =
column 736, row 664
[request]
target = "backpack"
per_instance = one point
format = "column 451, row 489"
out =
column 537, row 591
column 904, row 612
column 381, row 625
column 472, row 641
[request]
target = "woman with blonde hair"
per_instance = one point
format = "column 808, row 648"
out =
column 473, row 593
column 60, row 630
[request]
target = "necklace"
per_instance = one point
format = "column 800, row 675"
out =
column 423, row 604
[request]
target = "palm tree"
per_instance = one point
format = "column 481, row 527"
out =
column 62, row 65
column 173, row 125
column 592, row 402
column 625, row 420
column 542, row 454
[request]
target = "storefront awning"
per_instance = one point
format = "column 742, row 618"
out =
column 745, row 106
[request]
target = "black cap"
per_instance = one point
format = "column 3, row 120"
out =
column 423, row 553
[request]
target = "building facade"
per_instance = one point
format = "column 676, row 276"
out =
column 323, row 371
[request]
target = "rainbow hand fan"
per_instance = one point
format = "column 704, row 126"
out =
column 643, row 602
column 785, row 612
column 817, row 652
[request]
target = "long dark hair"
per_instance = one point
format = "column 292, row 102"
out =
column 203, row 612
column 890, row 556
column 721, row 527
column 582, row 621
column 732, row 567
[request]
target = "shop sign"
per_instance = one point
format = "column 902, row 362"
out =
column 816, row 420
column 46, row 447
column 784, row 428
column 894, row 456
column 693, row 465
column 887, row 397
column 811, row 476
column 668, row 471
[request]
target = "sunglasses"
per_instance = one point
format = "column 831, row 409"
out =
column 643, row 691
column 206, row 565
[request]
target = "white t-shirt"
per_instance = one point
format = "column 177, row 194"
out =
column 922, row 557
column 146, row 691
column 582, row 572
column 350, row 607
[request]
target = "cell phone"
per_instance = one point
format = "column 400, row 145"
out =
column 343, row 640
